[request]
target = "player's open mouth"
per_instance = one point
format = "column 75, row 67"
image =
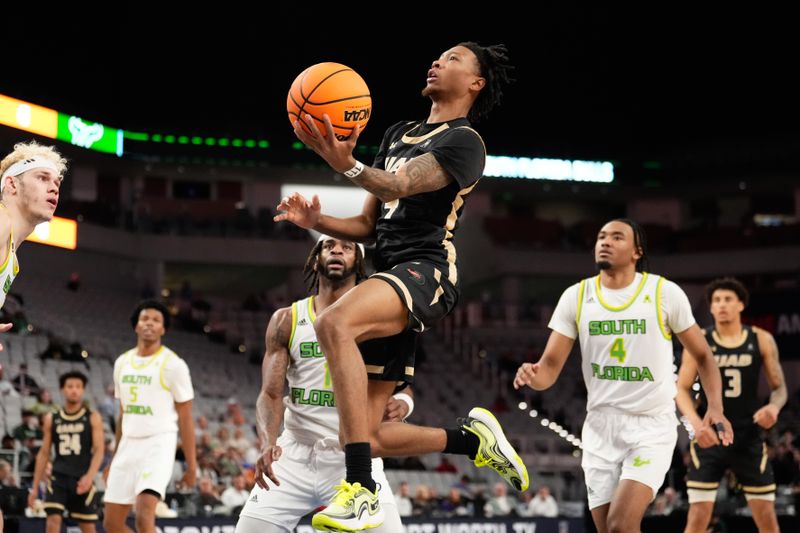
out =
column 52, row 202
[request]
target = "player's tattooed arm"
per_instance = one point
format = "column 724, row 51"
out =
column 421, row 174
column 269, row 406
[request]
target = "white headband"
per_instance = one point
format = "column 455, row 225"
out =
column 25, row 165
column 360, row 246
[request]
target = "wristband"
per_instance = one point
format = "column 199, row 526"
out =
column 357, row 169
column 403, row 397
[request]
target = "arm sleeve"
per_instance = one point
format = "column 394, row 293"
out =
column 675, row 305
column 179, row 380
column 565, row 316
column 462, row 155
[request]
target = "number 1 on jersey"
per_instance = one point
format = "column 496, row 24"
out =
column 618, row 350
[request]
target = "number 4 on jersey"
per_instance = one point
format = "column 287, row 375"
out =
column 618, row 350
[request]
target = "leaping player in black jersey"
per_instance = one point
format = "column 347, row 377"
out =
column 740, row 352
column 417, row 186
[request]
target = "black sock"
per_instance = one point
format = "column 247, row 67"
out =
column 461, row 442
column 358, row 462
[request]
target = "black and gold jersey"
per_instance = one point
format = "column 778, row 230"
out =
column 72, row 439
column 421, row 227
column 739, row 367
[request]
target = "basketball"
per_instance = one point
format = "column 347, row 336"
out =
column 333, row 89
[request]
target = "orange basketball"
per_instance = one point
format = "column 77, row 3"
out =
column 332, row 89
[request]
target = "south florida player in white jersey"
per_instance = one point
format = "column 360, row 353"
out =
column 625, row 319
column 31, row 179
column 155, row 394
column 303, row 463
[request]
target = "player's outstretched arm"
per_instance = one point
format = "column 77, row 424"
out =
column 695, row 344
column 767, row 416
column 421, row 174
column 308, row 214
column 269, row 405
column 542, row 374
column 42, row 457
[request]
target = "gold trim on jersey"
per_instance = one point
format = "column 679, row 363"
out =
column 294, row 323
column 92, row 492
column 479, row 137
column 409, row 370
column 397, row 281
column 659, row 316
column 581, row 291
column 703, row 485
column 763, row 465
column 53, row 505
column 758, row 490
column 161, row 372
column 374, row 369
column 151, row 358
column 82, row 516
column 724, row 344
column 75, row 416
column 311, row 314
column 449, row 226
column 626, row 304
column 416, row 140
column 693, row 454
column 437, row 275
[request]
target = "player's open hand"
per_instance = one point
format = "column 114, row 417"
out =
column 32, row 498
column 337, row 153
column 720, row 426
column 299, row 211
column 84, row 484
column 767, row 416
column 269, row 455
column 525, row 375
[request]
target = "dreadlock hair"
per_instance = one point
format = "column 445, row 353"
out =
column 639, row 241
column 495, row 68
column 311, row 274
column 728, row 284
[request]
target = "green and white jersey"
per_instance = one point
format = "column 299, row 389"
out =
column 626, row 341
column 9, row 269
column 148, row 388
column 310, row 413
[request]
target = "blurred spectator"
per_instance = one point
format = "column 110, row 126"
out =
column 446, row 466
column 109, row 408
column 28, row 433
column 205, row 468
column 464, row 487
column 404, row 505
column 501, row 504
column 24, row 384
column 423, row 504
column 523, row 507
column 543, row 504
column 235, row 495
column 6, row 387
column 207, row 496
column 44, row 404
column 6, row 475
column 200, row 427
column 239, row 441
column 412, row 463
column 454, row 504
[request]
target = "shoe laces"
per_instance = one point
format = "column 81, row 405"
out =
column 345, row 491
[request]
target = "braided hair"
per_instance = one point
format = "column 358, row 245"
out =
column 639, row 242
column 495, row 68
column 311, row 274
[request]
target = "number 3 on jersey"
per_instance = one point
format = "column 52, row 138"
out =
column 618, row 350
